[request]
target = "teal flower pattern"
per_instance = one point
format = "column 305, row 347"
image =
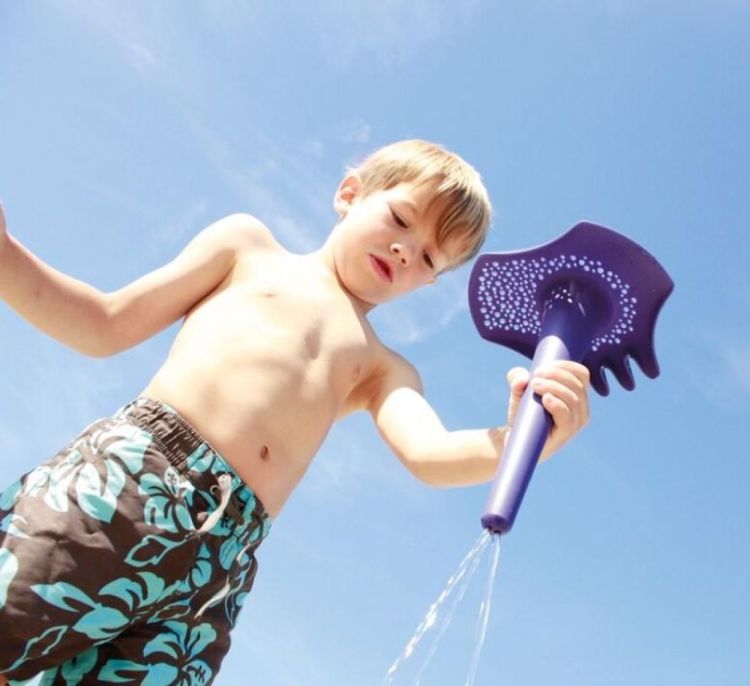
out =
column 151, row 550
column 132, row 598
column 9, row 495
column 168, row 501
column 73, row 671
column 96, row 485
column 178, row 648
column 41, row 645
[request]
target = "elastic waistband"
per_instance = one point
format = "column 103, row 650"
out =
column 185, row 449
column 173, row 434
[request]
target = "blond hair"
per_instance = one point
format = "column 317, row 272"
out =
column 464, row 205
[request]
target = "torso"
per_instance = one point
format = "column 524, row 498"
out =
column 265, row 364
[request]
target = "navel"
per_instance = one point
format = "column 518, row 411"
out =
column 265, row 453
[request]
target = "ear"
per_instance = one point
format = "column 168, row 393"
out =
column 348, row 191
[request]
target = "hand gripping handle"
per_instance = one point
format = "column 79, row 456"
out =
column 567, row 328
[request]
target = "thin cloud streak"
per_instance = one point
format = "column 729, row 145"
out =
column 735, row 356
column 260, row 186
column 267, row 646
column 390, row 31
column 423, row 313
column 716, row 366
column 176, row 234
column 353, row 460
column 119, row 22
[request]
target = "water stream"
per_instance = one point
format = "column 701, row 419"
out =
column 436, row 619
column 484, row 613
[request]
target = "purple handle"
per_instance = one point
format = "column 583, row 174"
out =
column 566, row 332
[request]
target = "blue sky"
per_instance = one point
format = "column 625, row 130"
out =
column 127, row 127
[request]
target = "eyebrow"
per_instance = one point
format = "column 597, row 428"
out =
column 409, row 204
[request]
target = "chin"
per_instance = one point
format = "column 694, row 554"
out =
column 364, row 296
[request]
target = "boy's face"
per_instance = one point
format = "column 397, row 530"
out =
column 384, row 245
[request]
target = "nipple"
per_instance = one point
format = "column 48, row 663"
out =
column 312, row 343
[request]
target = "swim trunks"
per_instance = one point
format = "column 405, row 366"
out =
column 126, row 558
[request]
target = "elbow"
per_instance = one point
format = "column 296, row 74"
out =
column 417, row 470
column 435, row 480
column 103, row 339
column 441, row 467
column 99, row 344
column 430, row 480
column 99, row 351
column 91, row 347
column 433, row 472
column 430, row 461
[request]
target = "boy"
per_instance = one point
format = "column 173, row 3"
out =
column 127, row 556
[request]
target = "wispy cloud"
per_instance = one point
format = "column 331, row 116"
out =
column 285, row 182
column 271, row 651
column 352, row 460
column 716, row 365
column 339, row 467
column 735, row 358
column 49, row 396
column 356, row 131
column 424, row 312
column 122, row 23
column 265, row 177
column 390, row 31
column 176, row 233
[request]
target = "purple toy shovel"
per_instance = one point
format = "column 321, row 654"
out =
column 592, row 296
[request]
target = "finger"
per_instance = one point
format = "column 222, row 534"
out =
column 562, row 415
column 566, row 369
column 518, row 379
column 568, row 396
column 563, row 376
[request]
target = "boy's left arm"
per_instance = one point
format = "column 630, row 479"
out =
column 439, row 457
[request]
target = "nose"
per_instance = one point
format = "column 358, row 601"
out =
column 401, row 253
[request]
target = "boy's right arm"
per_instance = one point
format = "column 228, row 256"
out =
column 99, row 324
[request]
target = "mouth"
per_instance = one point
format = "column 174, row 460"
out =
column 382, row 268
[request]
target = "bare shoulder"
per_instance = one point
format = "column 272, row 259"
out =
column 247, row 232
column 391, row 372
column 398, row 371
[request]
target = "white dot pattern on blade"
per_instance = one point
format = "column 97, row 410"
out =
column 509, row 299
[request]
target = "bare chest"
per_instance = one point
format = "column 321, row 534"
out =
column 293, row 323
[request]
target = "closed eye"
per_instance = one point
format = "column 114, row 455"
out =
column 396, row 218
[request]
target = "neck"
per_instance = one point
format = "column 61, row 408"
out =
column 325, row 259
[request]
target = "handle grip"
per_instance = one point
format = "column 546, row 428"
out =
column 566, row 332
column 531, row 426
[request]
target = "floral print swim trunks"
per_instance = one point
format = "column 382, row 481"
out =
column 126, row 558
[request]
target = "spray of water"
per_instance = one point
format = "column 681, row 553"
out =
column 449, row 616
column 484, row 613
column 459, row 580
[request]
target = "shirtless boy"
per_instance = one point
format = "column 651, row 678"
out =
column 127, row 556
